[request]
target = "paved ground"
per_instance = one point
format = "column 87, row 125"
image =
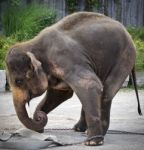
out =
column 124, row 117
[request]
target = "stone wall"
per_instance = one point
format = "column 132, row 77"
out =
column 2, row 80
column 129, row 12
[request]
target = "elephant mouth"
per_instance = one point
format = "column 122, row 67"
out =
column 33, row 95
column 30, row 96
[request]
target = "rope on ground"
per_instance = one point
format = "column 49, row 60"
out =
column 108, row 132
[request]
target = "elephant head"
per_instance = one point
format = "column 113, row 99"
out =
column 27, row 80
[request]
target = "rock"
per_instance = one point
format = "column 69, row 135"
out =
column 2, row 80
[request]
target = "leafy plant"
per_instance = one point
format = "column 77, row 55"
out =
column 140, row 54
column 138, row 37
column 136, row 33
column 24, row 23
column 5, row 43
column 71, row 5
column 15, row 2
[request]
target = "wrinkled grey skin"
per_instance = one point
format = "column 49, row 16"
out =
column 86, row 53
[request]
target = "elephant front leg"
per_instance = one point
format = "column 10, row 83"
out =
column 88, row 88
column 81, row 125
column 52, row 99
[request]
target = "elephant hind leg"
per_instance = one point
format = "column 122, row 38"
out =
column 52, row 99
column 112, row 84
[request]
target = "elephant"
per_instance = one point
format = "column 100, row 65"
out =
column 87, row 53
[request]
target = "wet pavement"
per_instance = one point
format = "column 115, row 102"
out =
column 124, row 117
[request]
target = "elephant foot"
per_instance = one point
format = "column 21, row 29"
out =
column 95, row 141
column 80, row 127
column 40, row 131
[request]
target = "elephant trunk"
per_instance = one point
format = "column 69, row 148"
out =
column 20, row 97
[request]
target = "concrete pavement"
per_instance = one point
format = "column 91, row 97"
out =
column 124, row 117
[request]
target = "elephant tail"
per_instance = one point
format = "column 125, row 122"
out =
column 133, row 76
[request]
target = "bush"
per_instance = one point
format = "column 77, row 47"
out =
column 25, row 22
column 136, row 33
column 140, row 54
column 138, row 37
column 5, row 43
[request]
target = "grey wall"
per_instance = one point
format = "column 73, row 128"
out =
column 129, row 12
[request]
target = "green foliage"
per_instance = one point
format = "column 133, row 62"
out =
column 15, row 2
column 136, row 33
column 5, row 43
column 138, row 37
column 71, row 5
column 140, row 54
column 24, row 23
column 93, row 3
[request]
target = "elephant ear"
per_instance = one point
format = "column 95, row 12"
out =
column 35, row 64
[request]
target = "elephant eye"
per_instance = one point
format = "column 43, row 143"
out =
column 19, row 82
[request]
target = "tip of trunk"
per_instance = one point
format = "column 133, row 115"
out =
column 41, row 119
